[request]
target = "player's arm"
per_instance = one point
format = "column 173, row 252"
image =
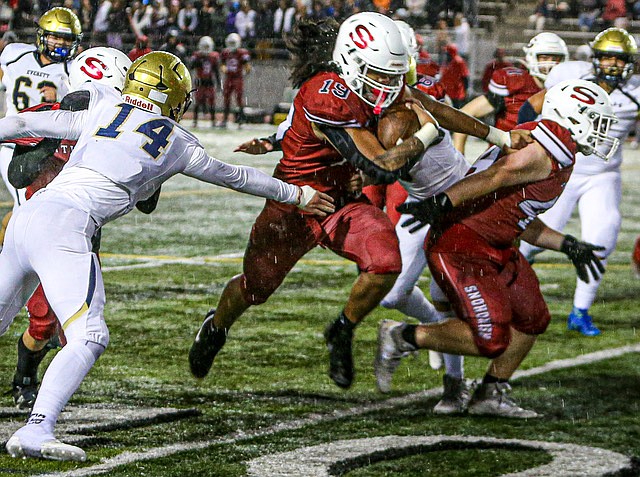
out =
column 457, row 121
column 531, row 108
column 525, row 165
column 257, row 146
column 252, row 181
column 580, row 253
column 478, row 107
column 54, row 124
column 361, row 147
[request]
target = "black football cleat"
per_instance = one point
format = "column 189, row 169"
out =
column 208, row 342
column 339, row 337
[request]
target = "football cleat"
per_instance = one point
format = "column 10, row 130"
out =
column 51, row 449
column 391, row 349
column 24, row 392
column 580, row 320
column 208, row 342
column 455, row 397
column 492, row 399
column 339, row 338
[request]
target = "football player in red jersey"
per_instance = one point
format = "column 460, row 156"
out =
column 326, row 138
column 206, row 63
column 235, row 66
column 471, row 253
column 510, row 87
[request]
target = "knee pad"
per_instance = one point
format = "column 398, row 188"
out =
column 96, row 349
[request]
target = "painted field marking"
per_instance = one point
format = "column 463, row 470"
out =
column 239, row 436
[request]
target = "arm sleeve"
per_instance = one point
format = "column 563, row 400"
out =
column 240, row 178
column 344, row 144
column 55, row 124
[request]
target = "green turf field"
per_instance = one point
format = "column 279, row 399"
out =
column 140, row 413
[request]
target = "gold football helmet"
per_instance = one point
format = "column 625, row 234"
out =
column 159, row 82
column 59, row 23
column 614, row 43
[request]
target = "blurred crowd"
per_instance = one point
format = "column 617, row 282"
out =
column 591, row 15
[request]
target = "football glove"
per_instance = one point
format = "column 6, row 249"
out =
column 583, row 258
column 428, row 211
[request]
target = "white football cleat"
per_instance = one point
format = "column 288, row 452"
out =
column 52, row 449
column 391, row 349
column 493, row 400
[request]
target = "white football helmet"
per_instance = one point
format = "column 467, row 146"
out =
column 367, row 43
column 100, row 65
column 584, row 109
column 233, row 41
column 545, row 43
column 206, row 44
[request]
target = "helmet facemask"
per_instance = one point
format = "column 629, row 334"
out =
column 612, row 75
column 598, row 140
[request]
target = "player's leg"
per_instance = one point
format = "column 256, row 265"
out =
column 362, row 233
column 6, row 153
column 279, row 238
column 211, row 104
column 33, row 345
column 600, row 219
column 239, row 94
column 71, row 277
column 226, row 101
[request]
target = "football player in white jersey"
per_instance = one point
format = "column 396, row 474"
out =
column 595, row 185
column 32, row 167
column 34, row 74
column 127, row 145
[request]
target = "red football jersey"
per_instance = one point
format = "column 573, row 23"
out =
column 234, row 60
column 205, row 65
column 429, row 85
column 324, row 99
column 516, row 85
column 501, row 216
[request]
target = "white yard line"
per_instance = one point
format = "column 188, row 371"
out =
column 233, row 438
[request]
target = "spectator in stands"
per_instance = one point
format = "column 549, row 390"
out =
column 455, row 76
column 86, row 15
column 206, row 13
column 470, row 11
column 188, row 19
column 140, row 17
column 246, row 22
column 141, row 48
column 442, row 40
column 159, row 16
column 590, row 11
column 539, row 16
column 118, row 24
column 101, row 21
column 283, row 18
column 230, row 19
column 6, row 15
column 497, row 63
column 172, row 17
column 462, row 34
column 615, row 14
column 23, row 15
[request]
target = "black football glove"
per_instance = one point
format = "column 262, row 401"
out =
column 428, row 211
column 583, row 258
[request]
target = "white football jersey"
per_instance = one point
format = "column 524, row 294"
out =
column 123, row 154
column 440, row 167
column 625, row 101
column 24, row 77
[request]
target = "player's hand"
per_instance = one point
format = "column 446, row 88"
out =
column 49, row 94
column 315, row 202
column 520, row 138
column 583, row 258
column 424, row 116
column 428, row 211
column 255, row 146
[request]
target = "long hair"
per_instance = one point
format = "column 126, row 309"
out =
column 311, row 44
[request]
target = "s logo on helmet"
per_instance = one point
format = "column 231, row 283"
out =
column 93, row 68
column 362, row 41
column 584, row 94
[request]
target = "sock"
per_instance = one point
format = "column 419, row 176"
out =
column 454, row 365
column 490, row 379
column 345, row 322
column 409, row 335
column 28, row 362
